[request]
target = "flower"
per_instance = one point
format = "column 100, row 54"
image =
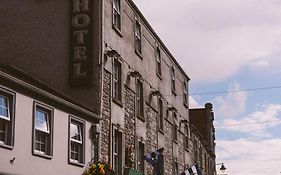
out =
column 98, row 168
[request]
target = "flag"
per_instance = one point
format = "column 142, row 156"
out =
column 193, row 170
column 154, row 159
column 151, row 158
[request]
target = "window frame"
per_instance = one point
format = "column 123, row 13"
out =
column 140, row 157
column 117, row 81
column 48, row 153
column 158, row 62
column 175, row 127
column 185, row 93
column 138, row 37
column 186, row 136
column 115, row 131
column 82, row 123
column 117, row 13
column 8, row 123
column 173, row 80
column 140, row 107
column 161, row 117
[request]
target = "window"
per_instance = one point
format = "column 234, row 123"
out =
column 186, row 137
column 76, row 145
column 117, row 14
column 158, row 62
column 176, row 168
column 7, row 100
column 173, row 80
column 43, row 130
column 140, row 166
column 117, row 152
column 195, row 151
column 175, row 127
column 138, row 37
column 185, row 93
column 139, row 99
column 160, row 114
column 117, row 82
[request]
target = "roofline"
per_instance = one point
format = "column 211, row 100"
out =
column 24, row 80
column 157, row 37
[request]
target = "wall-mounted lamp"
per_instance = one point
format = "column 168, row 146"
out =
column 134, row 74
column 155, row 93
column 222, row 168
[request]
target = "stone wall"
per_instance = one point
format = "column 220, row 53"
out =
column 106, row 118
column 168, row 150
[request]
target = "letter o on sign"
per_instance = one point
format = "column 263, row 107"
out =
column 80, row 21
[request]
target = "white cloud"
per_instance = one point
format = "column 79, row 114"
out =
column 246, row 157
column 232, row 104
column 193, row 103
column 255, row 124
column 260, row 64
column 212, row 40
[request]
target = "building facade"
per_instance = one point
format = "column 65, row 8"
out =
column 112, row 71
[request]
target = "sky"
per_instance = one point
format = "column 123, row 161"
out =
column 230, row 46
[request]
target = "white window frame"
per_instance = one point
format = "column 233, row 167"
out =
column 8, row 121
column 79, row 143
column 158, row 62
column 117, row 80
column 173, row 79
column 120, row 150
column 7, row 108
column 116, row 13
column 138, row 33
column 37, row 132
column 140, row 99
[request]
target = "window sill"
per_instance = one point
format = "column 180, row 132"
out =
column 35, row 153
column 2, row 145
column 138, row 54
column 118, row 31
column 186, row 105
column 141, row 118
column 174, row 92
column 75, row 163
column 161, row 131
column 159, row 76
column 176, row 142
column 186, row 149
column 118, row 102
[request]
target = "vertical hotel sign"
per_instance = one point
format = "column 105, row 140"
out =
column 81, row 42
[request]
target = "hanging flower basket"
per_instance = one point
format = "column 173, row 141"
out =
column 98, row 168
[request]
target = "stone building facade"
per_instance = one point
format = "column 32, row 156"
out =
column 104, row 57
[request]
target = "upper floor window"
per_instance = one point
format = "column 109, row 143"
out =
column 138, row 37
column 43, row 133
column 117, row 14
column 7, row 100
column 117, row 82
column 175, row 127
column 185, row 93
column 77, row 141
column 160, row 114
column 139, row 99
column 186, row 137
column 158, row 62
column 117, row 163
column 173, row 80
column 140, row 157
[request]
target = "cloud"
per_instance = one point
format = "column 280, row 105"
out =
column 255, row 124
column 193, row 103
column 213, row 40
column 247, row 157
column 232, row 104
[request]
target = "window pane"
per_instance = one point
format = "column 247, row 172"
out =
column 3, row 131
column 4, row 107
column 75, row 132
column 41, row 121
column 41, row 142
column 75, row 151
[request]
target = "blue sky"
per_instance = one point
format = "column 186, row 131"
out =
column 230, row 45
